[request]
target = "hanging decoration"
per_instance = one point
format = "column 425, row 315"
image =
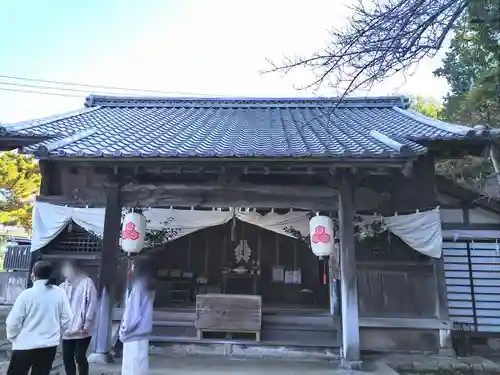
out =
column 133, row 232
column 321, row 232
column 242, row 252
column 233, row 225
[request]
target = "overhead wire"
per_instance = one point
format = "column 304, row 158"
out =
column 117, row 88
column 40, row 92
column 53, row 88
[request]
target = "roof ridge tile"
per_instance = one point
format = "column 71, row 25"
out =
column 47, row 148
column 451, row 128
column 145, row 101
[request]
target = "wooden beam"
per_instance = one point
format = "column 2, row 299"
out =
column 109, row 263
column 214, row 165
column 314, row 190
column 467, row 194
column 230, row 194
column 165, row 199
column 62, row 200
column 315, row 198
column 348, row 282
column 208, row 195
column 415, row 323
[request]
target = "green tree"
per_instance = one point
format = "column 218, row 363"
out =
column 468, row 169
column 472, row 69
column 19, row 183
column 428, row 107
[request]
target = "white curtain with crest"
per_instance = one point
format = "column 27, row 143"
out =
column 420, row 230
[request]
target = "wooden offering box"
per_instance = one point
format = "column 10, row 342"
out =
column 229, row 313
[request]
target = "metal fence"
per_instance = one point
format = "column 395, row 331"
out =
column 472, row 272
column 17, row 258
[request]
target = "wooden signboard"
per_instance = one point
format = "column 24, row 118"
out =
column 229, row 313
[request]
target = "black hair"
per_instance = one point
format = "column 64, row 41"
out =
column 144, row 269
column 43, row 270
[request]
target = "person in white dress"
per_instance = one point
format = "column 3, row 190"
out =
column 137, row 320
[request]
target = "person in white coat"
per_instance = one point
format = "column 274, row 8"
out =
column 82, row 296
column 36, row 323
column 137, row 320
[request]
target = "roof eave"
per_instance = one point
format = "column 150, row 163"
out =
column 448, row 186
column 11, row 142
column 389, row 162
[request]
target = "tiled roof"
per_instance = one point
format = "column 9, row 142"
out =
column 195, row 127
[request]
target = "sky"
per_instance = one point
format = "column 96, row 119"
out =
column 182, row 47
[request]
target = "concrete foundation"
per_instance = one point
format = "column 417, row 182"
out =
column 399, row 339
column 99, row 358
column 216, row 365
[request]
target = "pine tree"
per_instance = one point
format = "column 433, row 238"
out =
column 472, row 69
column 19, row 183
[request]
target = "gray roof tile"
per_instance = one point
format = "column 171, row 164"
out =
column 187, row 127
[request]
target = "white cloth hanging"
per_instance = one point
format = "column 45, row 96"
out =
column 49, row 220
column 281, row 224
column 421, row 231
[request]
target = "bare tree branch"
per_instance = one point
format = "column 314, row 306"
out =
column 387, row 38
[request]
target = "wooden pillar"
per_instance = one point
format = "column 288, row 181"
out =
column 34, row 257
column 109, row 263
column 495, row 160
column 47, row 187
column 332, row 285
column 442, row 312
column 348, row 281
column 441, row 296
column 425, row 181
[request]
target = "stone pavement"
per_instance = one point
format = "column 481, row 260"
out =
column 394, row 364
column 205, row 365
column 410, row 364
column 217, row 365
column 419, row 364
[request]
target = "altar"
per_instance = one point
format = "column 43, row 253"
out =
column 235, row 280
column 240, row 258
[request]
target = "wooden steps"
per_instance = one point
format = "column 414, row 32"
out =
column 279, row 329
column 228, row 335
column 265, row 341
